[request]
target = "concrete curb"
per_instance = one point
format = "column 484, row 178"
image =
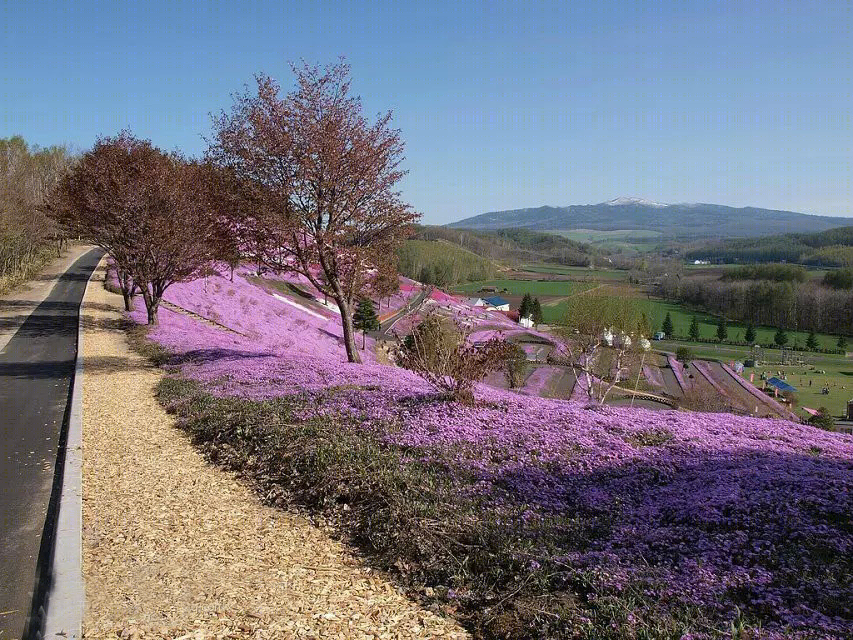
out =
column 66, row 595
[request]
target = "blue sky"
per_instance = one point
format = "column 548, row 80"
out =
column 502, row 105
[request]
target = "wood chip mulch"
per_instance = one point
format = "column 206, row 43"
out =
column 176, row 548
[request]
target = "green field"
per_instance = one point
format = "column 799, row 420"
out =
column 838, row 377
column 632, row 240
column 582, row 273
column 656, row 311
column 520, row 287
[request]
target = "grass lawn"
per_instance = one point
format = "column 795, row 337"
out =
column 520, row 287
column 657, row 309
column 681, row 317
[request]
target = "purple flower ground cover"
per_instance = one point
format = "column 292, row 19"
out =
column 702, row 368
column 675, row 365
column 684, row 522
column 653, row 376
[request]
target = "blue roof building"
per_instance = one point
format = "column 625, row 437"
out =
column 780, row 384
column 497, row 302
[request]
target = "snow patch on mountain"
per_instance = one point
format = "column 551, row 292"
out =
column 628, row 200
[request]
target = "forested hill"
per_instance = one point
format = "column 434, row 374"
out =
column 515, row 245
column 833, row 248
column 672, row 220
column 442, row 256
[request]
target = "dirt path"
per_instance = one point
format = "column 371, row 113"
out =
column 176, row 547
column 556, row 301
column 671, row 385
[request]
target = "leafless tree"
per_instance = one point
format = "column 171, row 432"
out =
column 321, row 183
column 604, row 336
column 27, row 174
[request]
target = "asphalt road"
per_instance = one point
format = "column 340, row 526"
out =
column 388, row 325
column 36, row 373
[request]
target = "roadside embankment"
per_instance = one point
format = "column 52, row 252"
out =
column 176, row 547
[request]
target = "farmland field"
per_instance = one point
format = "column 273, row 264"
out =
column 520, row 287
column 581, row 273
column 633, row 240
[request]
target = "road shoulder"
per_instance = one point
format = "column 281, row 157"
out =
column 17, row 305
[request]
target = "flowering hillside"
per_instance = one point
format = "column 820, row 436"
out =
column 587, row 522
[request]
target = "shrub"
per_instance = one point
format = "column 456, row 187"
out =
column 823, row 420
column 840, row 279
column 684, row 354
column 439, row 352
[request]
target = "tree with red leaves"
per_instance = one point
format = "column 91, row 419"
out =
column 322, row 184
column 149, row 210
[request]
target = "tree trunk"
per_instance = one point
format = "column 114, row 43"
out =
column 127, row 289
column 128, row 306
column 349, row 335
column 152, row 303
column 152, row 312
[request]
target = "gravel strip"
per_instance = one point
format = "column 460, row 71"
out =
column 174, row 547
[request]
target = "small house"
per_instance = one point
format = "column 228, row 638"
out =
column 496, row 303
column 526, row 322
column 475, row 302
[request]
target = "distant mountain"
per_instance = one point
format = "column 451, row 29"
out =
column 683, row 220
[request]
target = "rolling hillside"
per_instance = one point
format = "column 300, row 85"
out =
column 686, row 520
column 515, row 245
column 833, row 248
column 697, row 220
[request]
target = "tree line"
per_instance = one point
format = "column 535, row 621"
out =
column 27, row 234
column 773, row 271
column 789, row 304
column 300, row 183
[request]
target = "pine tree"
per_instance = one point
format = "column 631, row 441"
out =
column 526, row 306
column 811, row 342
column 842, row 342
column 749, row 336
column 781, row 338
column 694, row 329
column 365, row 319
column 537, row 312
column 667, row 327
column 722, row 330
